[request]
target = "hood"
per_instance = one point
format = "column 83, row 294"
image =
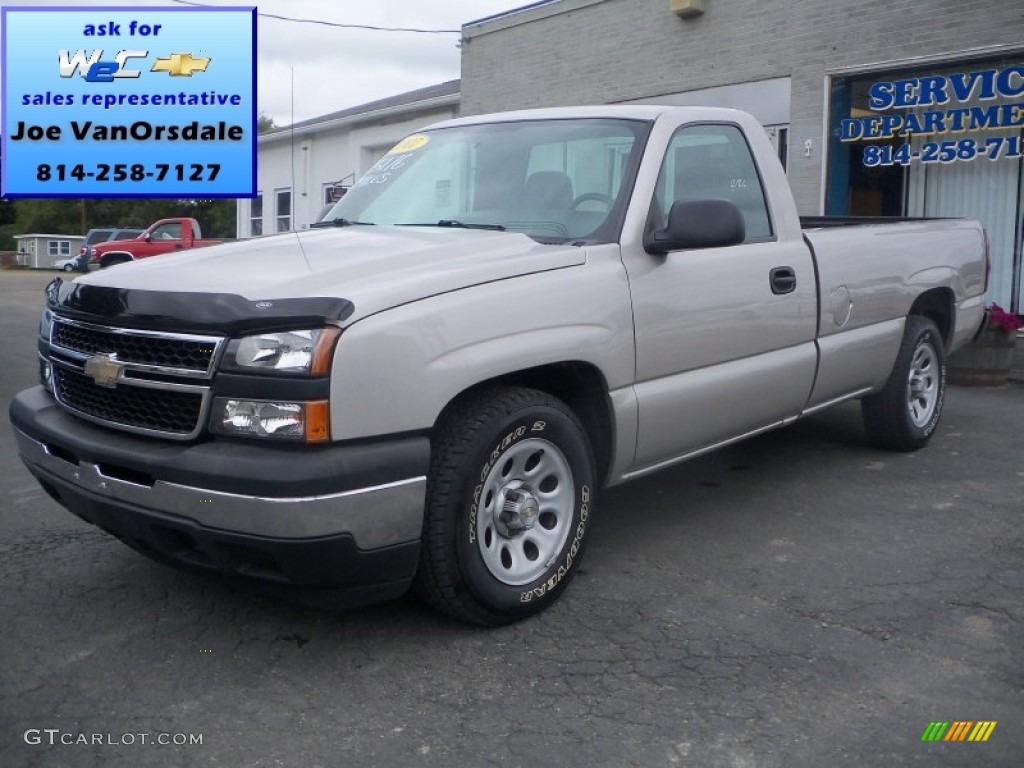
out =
column 374, row 267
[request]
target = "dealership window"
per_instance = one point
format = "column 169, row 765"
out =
column 256, row 215
column 59, row 247
column 941, row 141
column 333, row 192
column 283, row 200
column 778, row 135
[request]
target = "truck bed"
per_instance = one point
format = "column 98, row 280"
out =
column 825, row 222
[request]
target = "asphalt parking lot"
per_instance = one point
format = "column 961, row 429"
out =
column 797, row 600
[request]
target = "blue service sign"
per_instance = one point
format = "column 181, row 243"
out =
column 961, row 117
column 129, row 102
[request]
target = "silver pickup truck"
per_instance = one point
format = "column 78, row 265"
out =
column 506, row 314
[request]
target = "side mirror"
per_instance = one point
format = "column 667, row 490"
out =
column 147, row 237
column 698, row 224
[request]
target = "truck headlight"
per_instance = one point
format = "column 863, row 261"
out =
column 304, row 352
column 303, row 421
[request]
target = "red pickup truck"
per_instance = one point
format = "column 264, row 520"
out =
column 163, row 236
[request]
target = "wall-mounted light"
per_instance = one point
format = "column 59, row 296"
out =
column 687, row 9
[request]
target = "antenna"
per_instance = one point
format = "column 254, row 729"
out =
column 291, row 196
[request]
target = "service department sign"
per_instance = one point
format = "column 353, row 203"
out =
column 938, row 106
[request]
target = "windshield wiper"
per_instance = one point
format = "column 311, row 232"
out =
column 456, row 224
column 338, row 223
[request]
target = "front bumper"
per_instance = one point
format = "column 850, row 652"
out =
column 337, row 516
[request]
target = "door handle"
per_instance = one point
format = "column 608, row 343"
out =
column 178, row 247
column 782, row 280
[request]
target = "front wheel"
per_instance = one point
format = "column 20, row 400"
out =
column 905, row 413
column 509, row 501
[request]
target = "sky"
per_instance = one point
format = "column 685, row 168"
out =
column 334, row 68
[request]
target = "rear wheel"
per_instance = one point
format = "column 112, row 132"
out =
column 508, row 506
column 905, row 414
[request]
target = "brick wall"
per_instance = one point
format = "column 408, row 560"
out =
column 602, row 51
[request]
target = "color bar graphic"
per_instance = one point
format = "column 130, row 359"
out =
column 958, row 730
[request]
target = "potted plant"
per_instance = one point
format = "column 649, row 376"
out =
column 986, row 361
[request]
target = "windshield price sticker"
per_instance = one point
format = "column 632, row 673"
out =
column 129, row 102
column 410, row 144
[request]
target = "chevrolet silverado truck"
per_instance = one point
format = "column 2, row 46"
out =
column 506, row 314
column 163, row 236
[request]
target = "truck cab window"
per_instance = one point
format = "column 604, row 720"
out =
column 167, row 232
column 713, row 161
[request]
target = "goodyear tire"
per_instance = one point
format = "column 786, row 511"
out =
column 905, row 413
column 509, row 503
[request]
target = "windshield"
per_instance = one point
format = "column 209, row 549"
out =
column 555, row 180
column 97, row 236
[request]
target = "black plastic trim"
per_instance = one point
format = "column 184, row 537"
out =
column 289, row 565
column 263, row 387
column 185, row 312
column 274, row 470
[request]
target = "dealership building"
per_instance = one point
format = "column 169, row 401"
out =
column 895, row 108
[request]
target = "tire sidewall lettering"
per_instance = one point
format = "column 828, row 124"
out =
column 570, row 557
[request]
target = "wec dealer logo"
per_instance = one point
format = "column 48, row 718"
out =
column 94, row 69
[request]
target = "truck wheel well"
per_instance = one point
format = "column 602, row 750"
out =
column 580, row 386
column 937, row 306
column 114, row 257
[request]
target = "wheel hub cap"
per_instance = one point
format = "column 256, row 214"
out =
column 517, row 510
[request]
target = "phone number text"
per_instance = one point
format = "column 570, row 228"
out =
column 943, row 151
column 128, row 172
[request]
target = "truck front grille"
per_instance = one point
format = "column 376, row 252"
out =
column 140, row 408
column 176, row 352
column 160, row 384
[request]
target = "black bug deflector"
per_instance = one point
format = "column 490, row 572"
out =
column 177, row 311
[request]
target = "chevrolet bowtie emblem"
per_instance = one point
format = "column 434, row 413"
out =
column 104, row 369
column 180, row 65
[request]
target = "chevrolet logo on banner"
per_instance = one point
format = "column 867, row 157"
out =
column 180, row 65
column 104, row 369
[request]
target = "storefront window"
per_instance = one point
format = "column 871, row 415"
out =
column 937, row 142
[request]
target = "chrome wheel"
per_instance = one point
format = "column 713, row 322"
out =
column 923, row 385
column 525, row 510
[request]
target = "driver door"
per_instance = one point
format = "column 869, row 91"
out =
column 721, row 350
